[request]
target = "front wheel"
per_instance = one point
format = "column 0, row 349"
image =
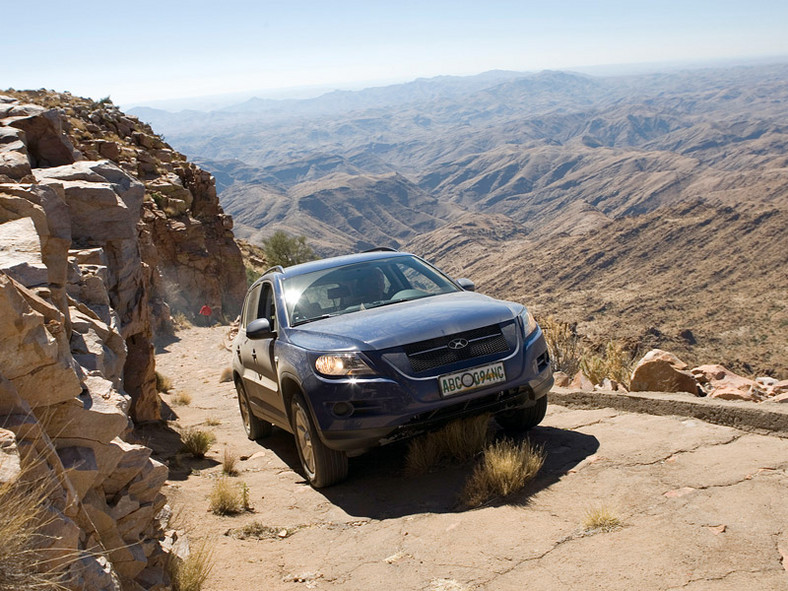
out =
column 254, row 427
column 322, row 465
column 523, row 419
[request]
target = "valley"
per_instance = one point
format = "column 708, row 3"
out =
column 637, row 207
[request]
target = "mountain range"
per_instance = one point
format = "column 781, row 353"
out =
column 553, row 187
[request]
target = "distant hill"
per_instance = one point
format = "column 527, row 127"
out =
column 555, row 187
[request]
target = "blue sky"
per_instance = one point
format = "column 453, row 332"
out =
column 145, row 51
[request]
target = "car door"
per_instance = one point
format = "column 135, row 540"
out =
column 257, row 355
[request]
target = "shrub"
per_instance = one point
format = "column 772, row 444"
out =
column 229, row 462
column 228, row 497
column 615, row 364
column 196, row 441
column 601, row 519
column 459, row 441
column 504, row 470
column 190, row 574
column 182, row 398
column 285, row 250
column 563, row 344
column 163, row 383
column 251, row 276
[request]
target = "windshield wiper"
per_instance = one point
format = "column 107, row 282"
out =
column 306, row 320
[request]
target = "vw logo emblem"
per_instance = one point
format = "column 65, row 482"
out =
column 457, row 344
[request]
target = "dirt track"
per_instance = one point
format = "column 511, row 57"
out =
column 704, row 507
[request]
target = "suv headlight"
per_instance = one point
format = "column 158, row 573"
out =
column 342, row 364
column 529, row 322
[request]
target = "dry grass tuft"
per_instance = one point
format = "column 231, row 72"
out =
column 212, row 422
column 615, row 364
column 181, row 398
column 504, row 470
column 563, row 344
column 228, row 497
column 181, row 321
column 23, row 518
column 601, row 519
column 227, row 375
column 163, row 383
column 196, row 441
column 458, row 441
column 191, row 574
column 229, row 462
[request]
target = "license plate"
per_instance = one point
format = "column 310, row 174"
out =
column 471, row 379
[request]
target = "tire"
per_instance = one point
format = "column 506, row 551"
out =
column 321, row 465
column 523, row 419
column 255, row 428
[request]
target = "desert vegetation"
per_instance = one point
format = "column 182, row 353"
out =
column 504, row 469
column 284, row 249
column 458, row 441
column 601, row 519
column 196, row 442
column 24, row 516
column 191, row 573
column 229, row 497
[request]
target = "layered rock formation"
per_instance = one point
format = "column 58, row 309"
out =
column 103, row 231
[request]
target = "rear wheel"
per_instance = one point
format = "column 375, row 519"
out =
column 322, row 465
column 255, row 428
column 523, row 419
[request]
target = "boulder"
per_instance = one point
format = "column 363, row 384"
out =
column 720, row 382
column 581, row 382
column 561, row 379
column 660, row 371
column 46, row 143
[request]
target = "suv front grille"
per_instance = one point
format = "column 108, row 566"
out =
column 433, row 353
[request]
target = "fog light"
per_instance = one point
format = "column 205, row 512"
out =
column 342, row 409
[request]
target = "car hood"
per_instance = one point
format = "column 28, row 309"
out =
column 405, row 322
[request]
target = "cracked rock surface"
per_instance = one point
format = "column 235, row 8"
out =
column 702, row 506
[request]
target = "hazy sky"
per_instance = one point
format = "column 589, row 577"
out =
column 146, row 50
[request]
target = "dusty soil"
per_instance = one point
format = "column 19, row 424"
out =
column 702, row 506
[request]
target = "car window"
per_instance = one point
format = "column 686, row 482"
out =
column 250, row 305
column 359, row 286
column 266, row 307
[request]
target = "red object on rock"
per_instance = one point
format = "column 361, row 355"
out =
column 205, row 310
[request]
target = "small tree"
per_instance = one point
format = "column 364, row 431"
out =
column 283, row 249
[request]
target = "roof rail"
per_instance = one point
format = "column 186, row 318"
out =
column 277, row 269
column 381, row 249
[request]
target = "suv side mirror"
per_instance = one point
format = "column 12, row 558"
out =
column 466, row 284
column 259, row 329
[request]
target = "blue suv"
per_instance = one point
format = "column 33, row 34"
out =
column 352, row 352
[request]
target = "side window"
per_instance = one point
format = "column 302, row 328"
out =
column 266, row 308
column 250, row 306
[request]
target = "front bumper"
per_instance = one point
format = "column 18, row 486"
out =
column 510, row 399
column 357, row 414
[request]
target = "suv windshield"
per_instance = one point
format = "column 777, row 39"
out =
column 360, row 286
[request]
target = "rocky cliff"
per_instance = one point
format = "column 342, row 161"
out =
column 104, row 230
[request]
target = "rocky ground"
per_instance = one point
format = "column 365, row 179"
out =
column 702, row 506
